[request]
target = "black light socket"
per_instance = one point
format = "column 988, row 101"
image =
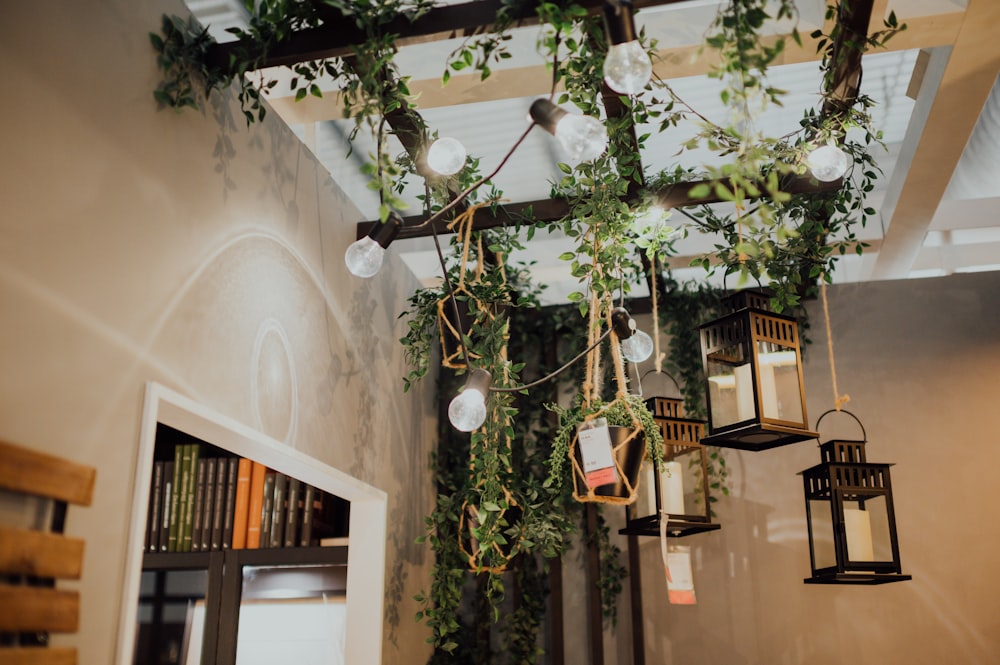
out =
column 387, row 231
column 618, row 22
column 479, row 379
column 622, row 323
column 546, row 114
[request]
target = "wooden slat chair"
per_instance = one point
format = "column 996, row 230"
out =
column 37, row 488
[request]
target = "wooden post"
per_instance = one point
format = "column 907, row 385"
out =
column 635, row 592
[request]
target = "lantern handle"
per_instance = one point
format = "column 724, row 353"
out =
column 864, row 434
column 670, row 376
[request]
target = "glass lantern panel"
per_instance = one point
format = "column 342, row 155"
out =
column 645, row 503
column 821, row 528
column 730, row 393
column 780, row 391
column 866, row 524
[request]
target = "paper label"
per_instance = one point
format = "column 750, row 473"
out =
column 677, row 568
column 598, row 457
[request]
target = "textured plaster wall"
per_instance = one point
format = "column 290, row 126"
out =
column 138, row 245
column 920, row 360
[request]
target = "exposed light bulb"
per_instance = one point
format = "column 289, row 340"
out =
column 446, row 156
column 584, row 138
column 627, row 68
column 638, row 347
column 827, row 163
column 467, row 410
column 364, row 256
column 648, row 223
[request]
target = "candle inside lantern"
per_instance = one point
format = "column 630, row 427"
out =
column 672, row 488
column 648, row 488
column 858, row 529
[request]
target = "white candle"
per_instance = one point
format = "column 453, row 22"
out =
column 858, row 527
column 744, row 393
column 672, row 488
column 648, row 488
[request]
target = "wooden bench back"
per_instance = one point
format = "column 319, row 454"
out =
column 33, row 559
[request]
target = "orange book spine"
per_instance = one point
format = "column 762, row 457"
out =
column 255, row 505
column 241, row 508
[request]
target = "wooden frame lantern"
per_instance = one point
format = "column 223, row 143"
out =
column 681, row 488
column 850, row 516
column 753, row 369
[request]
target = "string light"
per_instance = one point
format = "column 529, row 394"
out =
column 627, row 68
column 467, row 410
column 364, row 256
column 637, row 346
column 827, row 163
column 446, row 156
column 584, row 138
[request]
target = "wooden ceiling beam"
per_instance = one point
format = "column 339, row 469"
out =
column 339, row 34
column 545, row 211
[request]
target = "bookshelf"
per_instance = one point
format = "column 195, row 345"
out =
column 203, row 562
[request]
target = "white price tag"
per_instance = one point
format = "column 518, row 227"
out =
column 597, row 454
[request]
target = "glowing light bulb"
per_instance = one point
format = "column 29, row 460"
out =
column 468, row 410
column 584, row 138
column 364, row 257
column 827, row 163
column 446, row 156
column 627, row 68
column 638, row 347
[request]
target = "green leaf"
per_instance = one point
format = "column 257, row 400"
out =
column 700, row 191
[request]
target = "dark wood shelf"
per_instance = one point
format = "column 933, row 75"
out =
column 251, row 557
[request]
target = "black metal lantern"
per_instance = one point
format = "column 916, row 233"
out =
column 753, row 368
column 680, row 489
column 849, row 511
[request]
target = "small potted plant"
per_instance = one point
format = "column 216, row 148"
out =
column 633, row 435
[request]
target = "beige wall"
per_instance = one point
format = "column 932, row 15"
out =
column 920, row 360
column 138, row 245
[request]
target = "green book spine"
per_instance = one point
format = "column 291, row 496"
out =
column 199, row 505
column 175, row 496
column 192, row 477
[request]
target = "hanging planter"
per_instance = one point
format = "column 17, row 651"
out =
column 500, row 550
column 605, row 443
column 452, row 328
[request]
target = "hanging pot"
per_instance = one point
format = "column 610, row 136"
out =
column 628, row 446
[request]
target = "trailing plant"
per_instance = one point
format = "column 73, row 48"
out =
column 502, row 495
column 618, row 413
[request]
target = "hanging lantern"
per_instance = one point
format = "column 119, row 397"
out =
column 680, row 489
column 753, row 367
column 849, row 511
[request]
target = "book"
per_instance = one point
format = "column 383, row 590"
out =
column 242, row 503
column 308, row 498
column 198, row 505
column 232, row 467
column 168, row 487
column 219, row 504
column 334, row 541
column 187, row 500
column 255, row 505
column 208, row 504
column 175, row 498
column 155, row 497
column 266, row 510
column 291, row 513
column 277, row 538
